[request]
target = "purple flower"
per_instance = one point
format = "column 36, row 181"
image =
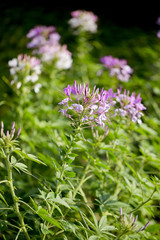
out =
column 90, row 107
column 158, row 34
column 9, row 135
column 45, row 43
column 117, row 67
column 68, row 90
column 130, row 106
column 129, row 223
column 77, row 107
column 40, row 30
column 158, row 20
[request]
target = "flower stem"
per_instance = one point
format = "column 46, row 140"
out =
column 15, row 198
column 144, row 202
column 58, row 191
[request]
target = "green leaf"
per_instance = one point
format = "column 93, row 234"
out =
column 154, row 228
column 44, row 215
column 45, row 230
column 50, row 220
column 49, row 161
column 31, row 157
column 1, row 197
column 34, row 204
column 135, row 173
column 103, row 222
column 93, row 237
column 58, row 200
column 13, row 160
column 22, row 167
column 70, row 174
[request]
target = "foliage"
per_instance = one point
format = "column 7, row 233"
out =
column 86, row 163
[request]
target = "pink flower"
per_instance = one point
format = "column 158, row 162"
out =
column 83, row 21
column 92, row 107
column 130, row 106
column 117, row 67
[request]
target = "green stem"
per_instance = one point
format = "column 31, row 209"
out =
column 82, row 180
column 15, row 198
column 62, row 173
column 80, row 185
column 144, row 202
column 120, row 235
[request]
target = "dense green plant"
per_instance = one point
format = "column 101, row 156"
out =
column 86, row 163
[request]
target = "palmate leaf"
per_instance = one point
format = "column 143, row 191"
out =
column 49, row 161
column 58, row 200
column 45, row 230
column 21, row 167
column 93, row 237
column 44, row 215
column 30, row 157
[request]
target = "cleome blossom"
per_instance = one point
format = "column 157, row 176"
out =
column 8, row 136
column 129, row 224
column 130, row 106
column 25, row 69
column 45, row 43
column 92, row 108
column 83, row 21
column 117, row 67
column 99, row 108
column 158, row 22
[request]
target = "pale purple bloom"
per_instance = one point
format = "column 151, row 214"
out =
column 130, row 223
column 54, row 38
column 68, row 90
column 64, row 58
column 41, row 30
column 117, row 67
column 96, row 108
column 36, row 42
column 158, row 34
column 9, row 135
column 83, row 21
column 121, row 212
column 92, row 107
column 45, row 43
column 85, row 119
column 64, row 101
column 130, row 106
column 158, row 20
column 77, row 107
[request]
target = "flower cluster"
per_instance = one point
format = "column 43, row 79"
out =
column 83, row 21
column 25, row 69
column 8, row 139
column 158, row 22
column 117, row 67
column 91, row 107
column 130, row 106
column 129, row 223
column 96, row 108
column 45, row 42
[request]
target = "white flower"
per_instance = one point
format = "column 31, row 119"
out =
column 19, row 84
column 13, row 62
column 37, row 87
column 34, row 78
column 64, row 60
column 12, row 71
